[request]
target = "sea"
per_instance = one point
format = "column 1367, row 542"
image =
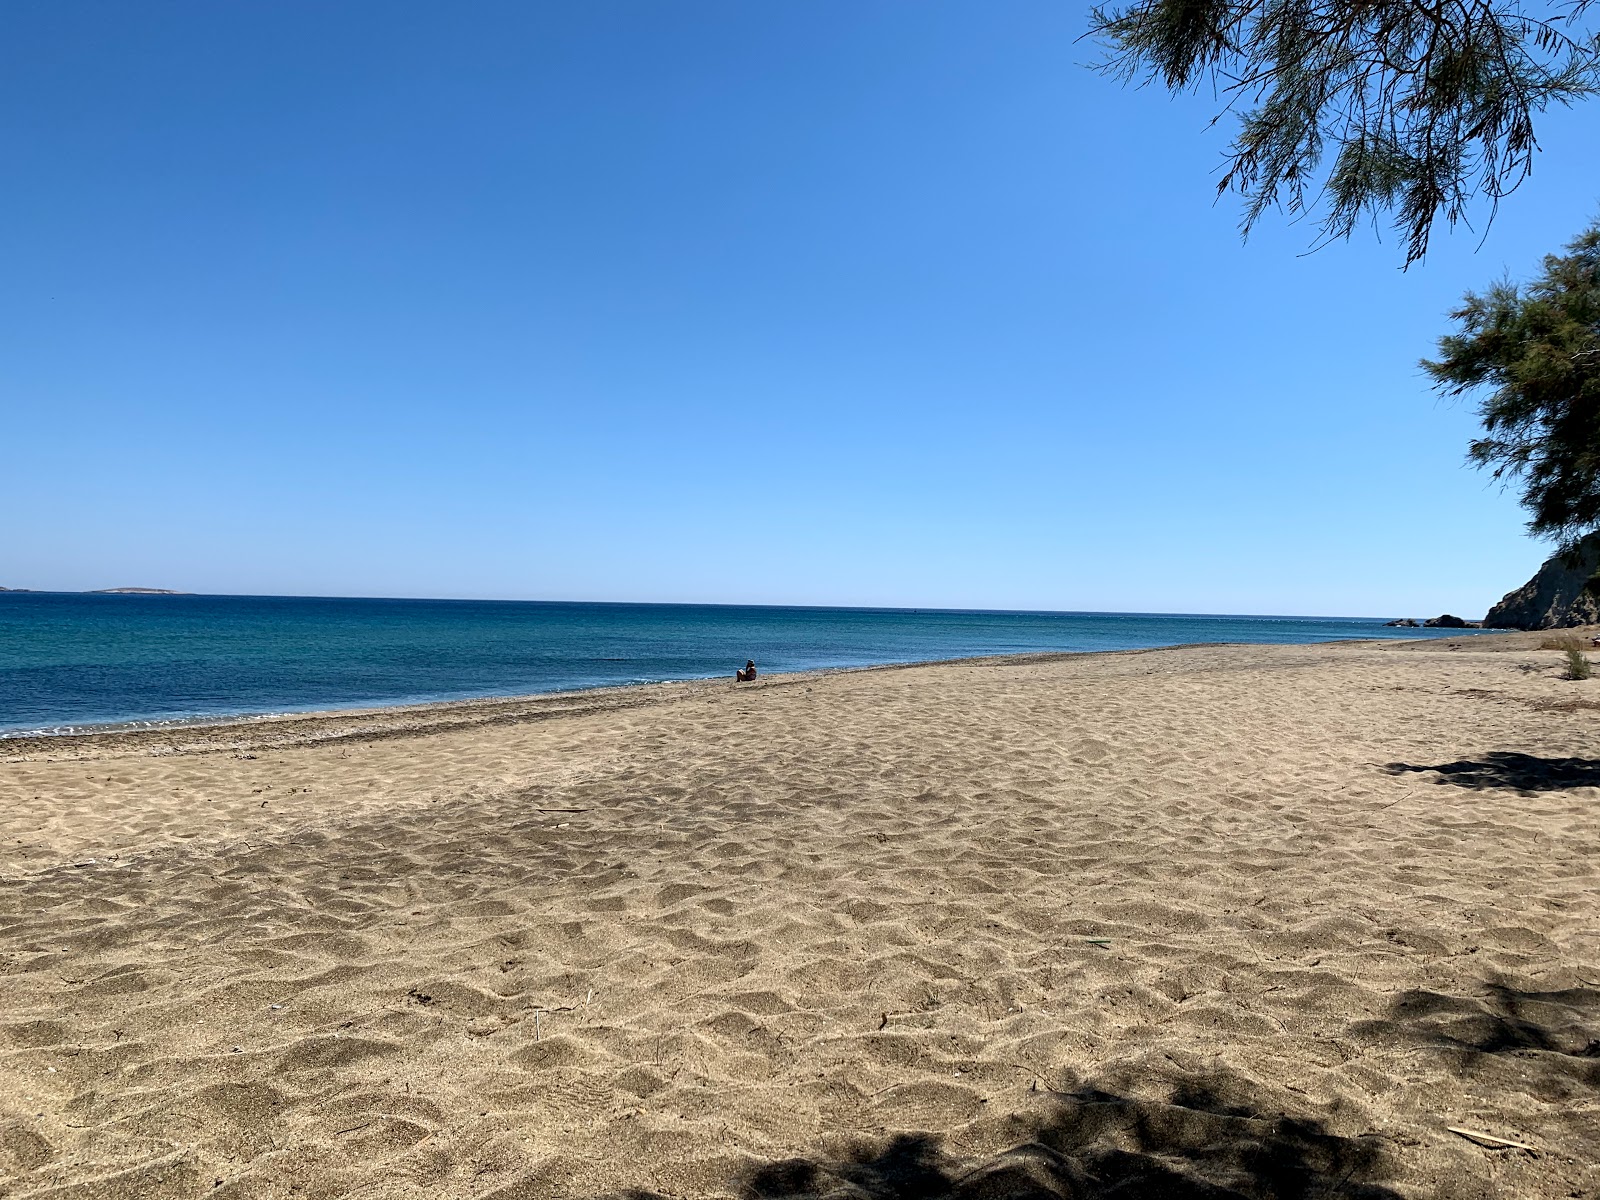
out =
column 76, row 662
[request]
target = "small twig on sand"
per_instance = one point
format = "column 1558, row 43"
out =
column 561, row 810
column 1038, row 1079
column 353, row 1128
column 1489, row 1139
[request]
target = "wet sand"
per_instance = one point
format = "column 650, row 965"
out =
column 1209, row 921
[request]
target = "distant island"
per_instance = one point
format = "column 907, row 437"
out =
column 116, row 591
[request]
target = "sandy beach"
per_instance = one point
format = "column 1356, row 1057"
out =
column 1261, row 921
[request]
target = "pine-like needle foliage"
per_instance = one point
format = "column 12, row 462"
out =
column 1419, row 105
column 1536, row 349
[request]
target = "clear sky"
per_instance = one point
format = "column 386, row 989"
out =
column 882, row 302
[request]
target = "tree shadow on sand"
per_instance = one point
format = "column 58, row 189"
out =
column 1509, row 769
column 1547, row 1042
column 1092, row 1144
column 1207, row 1140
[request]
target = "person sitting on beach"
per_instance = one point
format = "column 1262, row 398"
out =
column 747, row 674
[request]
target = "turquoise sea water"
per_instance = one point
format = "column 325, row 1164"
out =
column 69, row 660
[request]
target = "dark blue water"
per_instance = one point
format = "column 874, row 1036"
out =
column 69, row 660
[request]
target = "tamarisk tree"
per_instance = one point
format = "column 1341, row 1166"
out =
column 1535, row 351
column 1414, row 108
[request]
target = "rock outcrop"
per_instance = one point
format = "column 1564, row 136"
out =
column 1561, row 595
column 1449, row 621
column 1402, row 623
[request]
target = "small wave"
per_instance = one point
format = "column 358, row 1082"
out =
column 99, row 727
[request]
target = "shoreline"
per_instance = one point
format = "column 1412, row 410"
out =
column 366, row 722
column 207, row 733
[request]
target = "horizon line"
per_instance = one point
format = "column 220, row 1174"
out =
column 163, row 593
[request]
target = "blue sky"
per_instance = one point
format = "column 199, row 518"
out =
column 825, row 302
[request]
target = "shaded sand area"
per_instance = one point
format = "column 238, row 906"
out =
column 1202, row 922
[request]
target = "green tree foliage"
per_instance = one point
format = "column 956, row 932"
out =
column 1418, row 106
column 1535, row 349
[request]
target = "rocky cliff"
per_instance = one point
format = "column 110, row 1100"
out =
column 1557, row 597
